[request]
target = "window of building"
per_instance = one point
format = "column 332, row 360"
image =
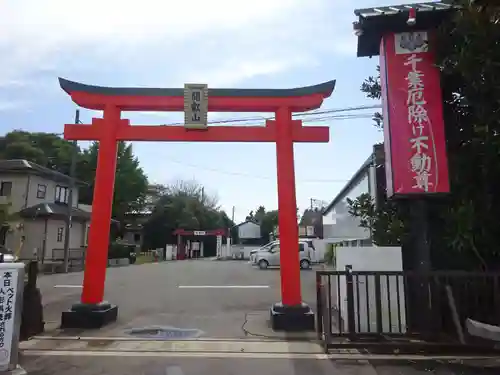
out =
column 137, row 237
column 62, row 194
column 60, row 234
column 5, row 189
column 41, row 191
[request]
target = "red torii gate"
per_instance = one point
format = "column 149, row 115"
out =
column 183, row 232
column 291, row 312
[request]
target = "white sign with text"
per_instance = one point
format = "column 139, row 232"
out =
column 10, row 276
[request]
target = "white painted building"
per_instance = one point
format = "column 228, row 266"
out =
column 38, row 199
column 340, row 226
column 248, row 230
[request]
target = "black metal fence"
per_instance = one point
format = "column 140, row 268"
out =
column 409, row 307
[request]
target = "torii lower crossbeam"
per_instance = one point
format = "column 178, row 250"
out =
column 180, row 134
column 290, row 313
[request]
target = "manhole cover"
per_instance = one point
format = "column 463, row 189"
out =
column 165, row 333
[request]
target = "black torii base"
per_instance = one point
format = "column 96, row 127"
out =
column 297, row 318
column 89, row 316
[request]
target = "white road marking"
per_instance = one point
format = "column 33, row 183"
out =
column 353, row 357
column 67, row 286
column 223, row 286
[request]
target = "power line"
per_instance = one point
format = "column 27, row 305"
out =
column 309, row 120
column 216, row 170
column 311, row 113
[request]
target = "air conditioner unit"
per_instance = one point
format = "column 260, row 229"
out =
column 4, row 199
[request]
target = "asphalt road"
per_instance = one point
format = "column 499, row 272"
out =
column 223, row 366
column 175, row 294
column 167, row 294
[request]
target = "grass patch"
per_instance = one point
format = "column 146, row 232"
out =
column 143, row 259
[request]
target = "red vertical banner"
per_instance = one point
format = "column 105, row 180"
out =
column 414, row 138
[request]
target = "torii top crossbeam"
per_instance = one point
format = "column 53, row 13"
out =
column 220, row 100
column 172, row 99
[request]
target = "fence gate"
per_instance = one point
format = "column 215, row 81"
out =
column 408, row 311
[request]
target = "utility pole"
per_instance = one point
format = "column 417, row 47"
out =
column 72, row 170
column 229, row 240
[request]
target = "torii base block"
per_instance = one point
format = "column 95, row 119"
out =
column 89, row 316
column 297, row 318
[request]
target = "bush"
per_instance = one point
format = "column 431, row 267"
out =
column 119, row 251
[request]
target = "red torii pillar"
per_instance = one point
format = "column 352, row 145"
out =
column 289, row 314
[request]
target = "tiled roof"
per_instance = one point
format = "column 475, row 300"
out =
column 325, row 89
column 53, row 210
column 57, row 210
column 247, row 221
column 394, row 9
column 374, row 22
column 25, row 166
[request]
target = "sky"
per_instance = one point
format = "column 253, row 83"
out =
column 223, row 43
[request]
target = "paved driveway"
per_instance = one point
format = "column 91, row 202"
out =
column 229, row 301
column 132, row 364
column 217, row 297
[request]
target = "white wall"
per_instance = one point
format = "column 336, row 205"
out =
column 239, row 250
column 248, row 230
column 320, row 246
column 42, row 233
column 24, row 191
column 50, row 191
column 338, row 223
column 19, row 190
column 33, row 238
column 53, row 242
column 371, row 259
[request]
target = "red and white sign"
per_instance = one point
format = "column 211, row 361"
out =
column 414, row 138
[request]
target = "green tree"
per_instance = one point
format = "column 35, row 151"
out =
column 7, row 221
column 183, row 205
column 268, row 220
column 260, row 214
column 4, row 224
column 385, row 223
column 250, row 216
column 268, row 223
column 131, row 183
column 51, row 151
column 464, row 226
column 45, row 149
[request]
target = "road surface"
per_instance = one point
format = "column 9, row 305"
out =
column 226, row 301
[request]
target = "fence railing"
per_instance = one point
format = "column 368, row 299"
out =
column 434, row 307
column 73, row 254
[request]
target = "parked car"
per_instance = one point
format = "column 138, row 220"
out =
column 7, row 255
column 270, row 255
column 272, row 243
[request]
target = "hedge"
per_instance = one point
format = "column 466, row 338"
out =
column 120, row 251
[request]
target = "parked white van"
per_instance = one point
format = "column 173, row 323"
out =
column 269, row 255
